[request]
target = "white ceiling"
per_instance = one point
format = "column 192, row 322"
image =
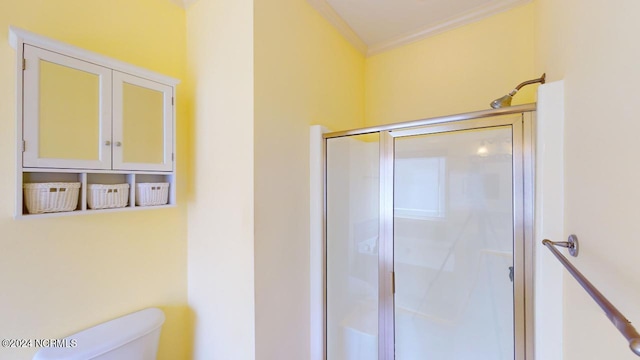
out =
column 374, row 26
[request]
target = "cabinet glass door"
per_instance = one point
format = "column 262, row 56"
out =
column 67, row 112
column 142, row 126
column 453, row 245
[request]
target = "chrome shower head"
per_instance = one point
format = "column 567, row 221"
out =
column 505, row 101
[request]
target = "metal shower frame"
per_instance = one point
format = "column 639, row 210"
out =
column 523, row 213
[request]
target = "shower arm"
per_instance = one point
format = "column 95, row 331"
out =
column 540, row 80
column 505, row 101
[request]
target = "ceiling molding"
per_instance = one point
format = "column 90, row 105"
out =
column 329, row 13
column 326, row 10
column 449, row 24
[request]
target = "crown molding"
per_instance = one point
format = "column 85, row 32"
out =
column 327, row 11
column 474, row 15
column 338, row 22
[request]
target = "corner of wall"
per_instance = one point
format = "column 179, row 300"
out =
column 549, row 221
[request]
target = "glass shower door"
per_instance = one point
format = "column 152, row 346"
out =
column 453, row 245
column 352, row 247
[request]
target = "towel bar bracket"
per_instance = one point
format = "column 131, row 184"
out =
column 571, row 244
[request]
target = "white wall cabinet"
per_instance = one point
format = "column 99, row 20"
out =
column 88, row 118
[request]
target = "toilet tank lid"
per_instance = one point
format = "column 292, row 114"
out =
column 105, row 337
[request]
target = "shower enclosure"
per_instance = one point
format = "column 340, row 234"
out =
column 428, row 239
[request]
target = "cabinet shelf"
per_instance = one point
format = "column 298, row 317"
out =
column 90, row 211
column 86, row 178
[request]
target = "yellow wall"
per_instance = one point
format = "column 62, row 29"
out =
column 61, row 275
column 594, row 48
column 457, row 71
column 260, row 73
column 221, row 250
column 305, row 73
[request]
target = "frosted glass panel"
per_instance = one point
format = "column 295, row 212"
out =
column 143, row 124
column 352, row 247
column 69, row 125
column 453, row 246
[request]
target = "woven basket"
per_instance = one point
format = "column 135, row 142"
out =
column 51, row 197
column 103, row 196
column 149, row 194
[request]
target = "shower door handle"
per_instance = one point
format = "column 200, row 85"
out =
column 511, row 273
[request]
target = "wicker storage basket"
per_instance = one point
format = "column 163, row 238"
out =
column 149, row 194
column 103, row 196
column 51, row 197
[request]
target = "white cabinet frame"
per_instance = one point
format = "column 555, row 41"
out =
column 107, row 169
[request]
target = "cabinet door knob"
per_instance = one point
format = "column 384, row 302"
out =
column 107, row 143
column 118, row 143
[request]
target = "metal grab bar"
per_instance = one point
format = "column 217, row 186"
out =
column 619, row 321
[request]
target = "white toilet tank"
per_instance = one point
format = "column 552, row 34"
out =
column 131, row 337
